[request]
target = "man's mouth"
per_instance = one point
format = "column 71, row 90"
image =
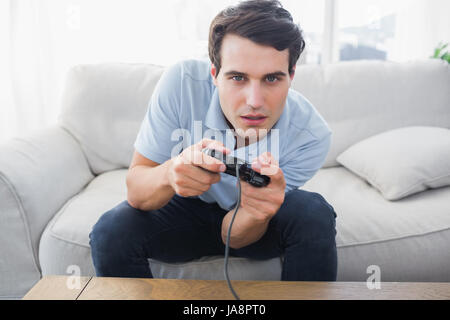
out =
column 254, row 116
column 253, row 119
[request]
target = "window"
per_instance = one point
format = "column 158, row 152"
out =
column 393, row 30
column 309, row 14
column 366, row 29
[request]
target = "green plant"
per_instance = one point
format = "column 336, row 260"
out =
column 438, row 52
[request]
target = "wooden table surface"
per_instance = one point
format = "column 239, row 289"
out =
column 93, row 288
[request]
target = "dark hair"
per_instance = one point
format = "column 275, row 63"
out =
column 265, row 22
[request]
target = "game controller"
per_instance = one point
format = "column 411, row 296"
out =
column 246, row 173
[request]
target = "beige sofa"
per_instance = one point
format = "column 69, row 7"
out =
column 56, row 183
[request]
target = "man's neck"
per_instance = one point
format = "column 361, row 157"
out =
column 247, row 139
column 235, row 135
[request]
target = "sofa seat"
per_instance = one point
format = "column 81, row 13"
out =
column 65, row 240
column 416, row 229
column 408, row 238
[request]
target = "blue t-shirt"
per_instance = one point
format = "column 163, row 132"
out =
column 185, row 108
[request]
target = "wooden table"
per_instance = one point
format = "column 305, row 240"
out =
column 93, row 288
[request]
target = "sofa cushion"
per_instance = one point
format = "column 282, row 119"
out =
column 408, row 239
column 65, row 241
column 402, row 161
column 103, row 106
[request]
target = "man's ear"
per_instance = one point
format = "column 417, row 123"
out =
column 293, row 73
column 213, row 73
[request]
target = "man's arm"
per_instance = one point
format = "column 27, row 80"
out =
column 191, row 173
column 148, row 185
column 246, row 229
column 258, row 205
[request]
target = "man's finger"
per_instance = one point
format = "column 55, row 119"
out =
column 207, row 162
column 267, row 157
column 202, row 176
column 194, row 153
column 213, row 144
column 265, row 169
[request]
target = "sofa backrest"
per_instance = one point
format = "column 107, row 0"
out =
column 104, row 104
column 359, row 99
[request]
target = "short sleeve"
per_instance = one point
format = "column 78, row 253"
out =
column 162, row 119
column 304, row 161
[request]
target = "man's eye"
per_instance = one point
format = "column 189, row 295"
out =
column 272, row 79
column 238, row 78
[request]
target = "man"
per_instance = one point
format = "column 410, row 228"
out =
column 180, row 202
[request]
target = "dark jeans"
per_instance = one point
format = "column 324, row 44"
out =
column 303, row 231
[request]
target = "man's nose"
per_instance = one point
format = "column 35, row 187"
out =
column 255, row 96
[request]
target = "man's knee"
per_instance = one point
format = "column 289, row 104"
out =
column 116, row 243
column 114, row 228
column 309, row 213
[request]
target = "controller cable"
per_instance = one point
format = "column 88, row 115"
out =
column 227, row 246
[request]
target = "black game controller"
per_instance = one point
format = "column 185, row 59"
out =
column 246, row 173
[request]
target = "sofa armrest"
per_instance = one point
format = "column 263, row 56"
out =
column 38, row 174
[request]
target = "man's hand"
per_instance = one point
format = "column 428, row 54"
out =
column 263, row 203
column 187, row 174
column 258, row 205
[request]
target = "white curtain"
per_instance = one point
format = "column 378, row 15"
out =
column 28, row 101
column 7, row 112
column 41, row 39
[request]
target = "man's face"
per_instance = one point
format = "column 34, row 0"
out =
column 253, row 83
